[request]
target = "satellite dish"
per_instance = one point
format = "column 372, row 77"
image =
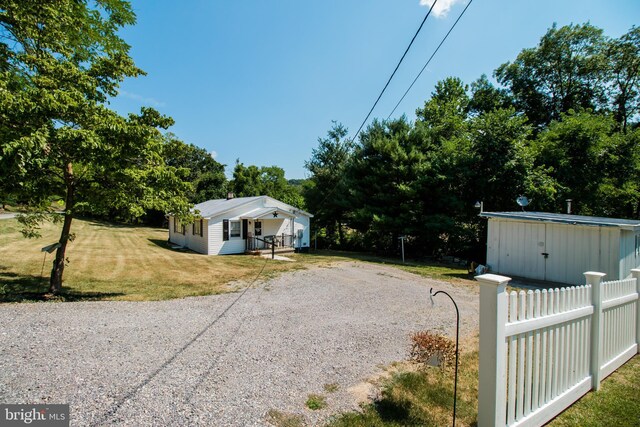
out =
column 522, row 201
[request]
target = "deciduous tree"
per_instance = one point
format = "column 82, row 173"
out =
column 564, row 72
column 60, row 61
column 205, row 173
column 624, row 75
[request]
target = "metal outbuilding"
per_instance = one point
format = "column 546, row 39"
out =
column 560, row 247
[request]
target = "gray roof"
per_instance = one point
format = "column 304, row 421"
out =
column 627, row 224
column 212, row 208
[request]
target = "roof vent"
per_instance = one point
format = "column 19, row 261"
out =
column 229, row 195
column 569, row 206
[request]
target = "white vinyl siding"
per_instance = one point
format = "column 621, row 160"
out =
column 217, row 246
column 302, row 223
column 212, row 242
column 195, row 242
column 176, row 237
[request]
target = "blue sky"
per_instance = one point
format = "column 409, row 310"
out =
column 261, row 80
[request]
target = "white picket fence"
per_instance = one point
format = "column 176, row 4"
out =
column 540, row 351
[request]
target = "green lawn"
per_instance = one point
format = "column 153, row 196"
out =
column 421, row 398
column 617, row 403
column 425, row 398
column 118, row 262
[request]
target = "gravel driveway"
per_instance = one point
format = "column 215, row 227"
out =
column 200, row 361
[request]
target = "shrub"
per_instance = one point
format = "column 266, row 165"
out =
column 429, row 348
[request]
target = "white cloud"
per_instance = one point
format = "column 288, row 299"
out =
column 442, row 7
column 213, row 154
column 144, row 100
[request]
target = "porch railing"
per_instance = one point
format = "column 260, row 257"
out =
column 278, row 241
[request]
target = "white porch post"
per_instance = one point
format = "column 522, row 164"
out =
column 492, row 381
column 636, row 275
column 597, row 327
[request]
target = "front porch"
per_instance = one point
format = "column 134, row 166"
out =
column 268, row 230
column 282, row 243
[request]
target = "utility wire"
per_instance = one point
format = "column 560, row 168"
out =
column 394, row 71
column 430, row 58
column 333, row 189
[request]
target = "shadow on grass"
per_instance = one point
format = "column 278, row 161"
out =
column 160, row 242
column 105, row 224
column 172, row 246
column 28, row 288
column 411, row 399
column 389, row 410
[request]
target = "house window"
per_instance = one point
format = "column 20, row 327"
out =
column 234, row 228
column 258, row 228
column 637, row 245
column 177, row 227
column 197, row 228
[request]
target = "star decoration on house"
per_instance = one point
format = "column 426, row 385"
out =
column 275, row 214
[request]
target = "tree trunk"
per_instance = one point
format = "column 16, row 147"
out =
column 55, row 283
column 340, row 232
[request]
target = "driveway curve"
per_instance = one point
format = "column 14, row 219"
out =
column 223, row 360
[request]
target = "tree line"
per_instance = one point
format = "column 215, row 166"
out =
column 561, row 123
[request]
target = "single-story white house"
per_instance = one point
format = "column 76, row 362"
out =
column 560, row 247
column 243, row 224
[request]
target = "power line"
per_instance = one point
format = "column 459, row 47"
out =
column 394, row 71
column 430, row 58
column 333, row 189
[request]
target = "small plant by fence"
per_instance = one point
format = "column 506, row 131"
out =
column 540, row 351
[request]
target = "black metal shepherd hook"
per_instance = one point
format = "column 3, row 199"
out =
column 455, row 381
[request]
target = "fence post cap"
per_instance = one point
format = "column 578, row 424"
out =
column 594, row 274
column 494, row 279
column 635, row 270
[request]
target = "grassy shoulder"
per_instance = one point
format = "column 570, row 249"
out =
column 119, row 262
column 425, row 398
column 421, row 398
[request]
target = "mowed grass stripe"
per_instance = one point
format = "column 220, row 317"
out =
column 119, row 263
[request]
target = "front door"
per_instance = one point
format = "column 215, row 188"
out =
column 245, row 228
